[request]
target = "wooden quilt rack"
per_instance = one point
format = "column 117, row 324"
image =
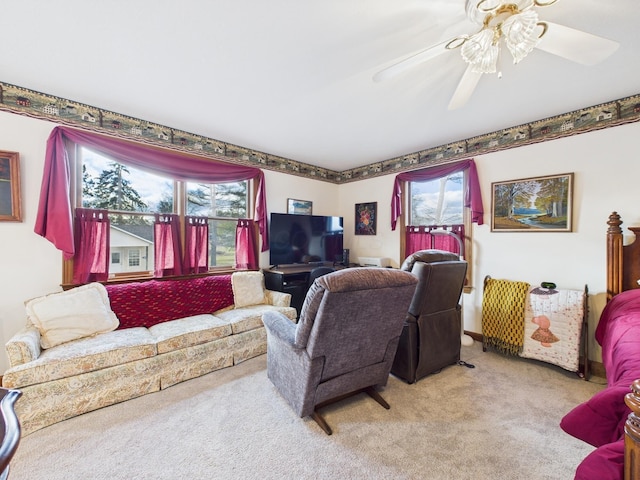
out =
column 583, row 344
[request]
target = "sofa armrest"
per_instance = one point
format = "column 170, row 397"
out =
column 24, row 346
column 277, row 299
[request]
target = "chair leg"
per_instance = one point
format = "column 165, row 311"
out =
column 371, row 391
column 321, row 422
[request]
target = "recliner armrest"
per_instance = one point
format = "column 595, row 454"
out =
column 280, row 326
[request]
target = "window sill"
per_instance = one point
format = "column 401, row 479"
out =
column 144, row 278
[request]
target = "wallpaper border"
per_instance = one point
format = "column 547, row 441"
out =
column 27, row 102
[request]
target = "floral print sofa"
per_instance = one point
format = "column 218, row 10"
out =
column 94, row 346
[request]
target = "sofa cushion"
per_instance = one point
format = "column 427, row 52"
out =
column 248, row 318
column 248, row 288
column 84, row 355
column 148, row 303
column 187, row 332
column 73, row 314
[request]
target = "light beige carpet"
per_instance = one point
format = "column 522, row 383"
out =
column 496, row 421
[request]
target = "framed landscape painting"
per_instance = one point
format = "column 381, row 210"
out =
column 299, row 207
column 10, row 202
column 539, row 204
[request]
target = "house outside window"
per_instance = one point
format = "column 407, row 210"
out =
column 134, row 257
column 133, row 196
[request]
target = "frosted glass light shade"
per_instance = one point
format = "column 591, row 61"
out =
column 520, row 35
column 480, row 52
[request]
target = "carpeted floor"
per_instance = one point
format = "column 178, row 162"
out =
column 496, row 421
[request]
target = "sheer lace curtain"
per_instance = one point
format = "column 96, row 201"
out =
column 196, row 248
column 246, row 257
column 167, row 251
column 91, row 232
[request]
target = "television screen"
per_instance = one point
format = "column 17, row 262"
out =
column 304, row 239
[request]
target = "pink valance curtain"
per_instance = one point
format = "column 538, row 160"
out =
column 472, row 199
column 166, row 237
column 245, row 246
column 196, row 248
column 443, row 237
column 92, row 246
column 54, row 217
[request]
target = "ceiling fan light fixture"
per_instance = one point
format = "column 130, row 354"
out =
column 519, row 32
column 481, row 51
column 510, row 24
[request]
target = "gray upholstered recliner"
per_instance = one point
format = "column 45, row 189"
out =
column 431, row 335
column 344, row 341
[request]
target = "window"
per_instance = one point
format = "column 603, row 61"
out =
column 219, row 203
column 133, row 197
column 134, row 257
column 438, row 204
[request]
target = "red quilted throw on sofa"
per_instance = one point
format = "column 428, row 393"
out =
column 147, row 303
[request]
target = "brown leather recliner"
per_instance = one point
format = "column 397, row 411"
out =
column 431, row 334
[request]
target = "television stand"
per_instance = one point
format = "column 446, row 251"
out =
column 292, row 279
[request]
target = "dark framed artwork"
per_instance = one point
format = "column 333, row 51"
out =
column 10, row 201
column 366, row 218
column 299, row 207
column 538, row 204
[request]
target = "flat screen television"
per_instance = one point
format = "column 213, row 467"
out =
column 304, row 239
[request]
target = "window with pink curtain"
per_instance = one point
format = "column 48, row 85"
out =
column 91, row 233
column 54, row 216
column 196, row 248
column 472, row 196
column 246, row 258
column 424, row 237
column 167, row 255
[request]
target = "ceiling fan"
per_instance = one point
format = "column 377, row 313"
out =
column 510, row 24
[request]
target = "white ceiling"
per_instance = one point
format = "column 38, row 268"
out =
column 294, row 78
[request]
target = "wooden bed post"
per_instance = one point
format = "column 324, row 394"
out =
column 632, row 434
column 614, row 255
column 623, row 273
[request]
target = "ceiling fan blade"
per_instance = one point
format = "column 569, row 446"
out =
column 576, row 45
column 465, row 88
column 412, row 61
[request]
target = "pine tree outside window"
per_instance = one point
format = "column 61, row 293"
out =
column 133, row 197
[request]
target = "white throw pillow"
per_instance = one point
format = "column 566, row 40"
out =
column 248, row 288
column 77, row 313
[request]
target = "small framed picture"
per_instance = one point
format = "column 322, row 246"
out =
column 10, row 200
column 299, row 207
column 540, row 204
column 366, row 217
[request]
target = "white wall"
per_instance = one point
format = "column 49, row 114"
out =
column 280, row 187
column 385, row 243
column 30, row 266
